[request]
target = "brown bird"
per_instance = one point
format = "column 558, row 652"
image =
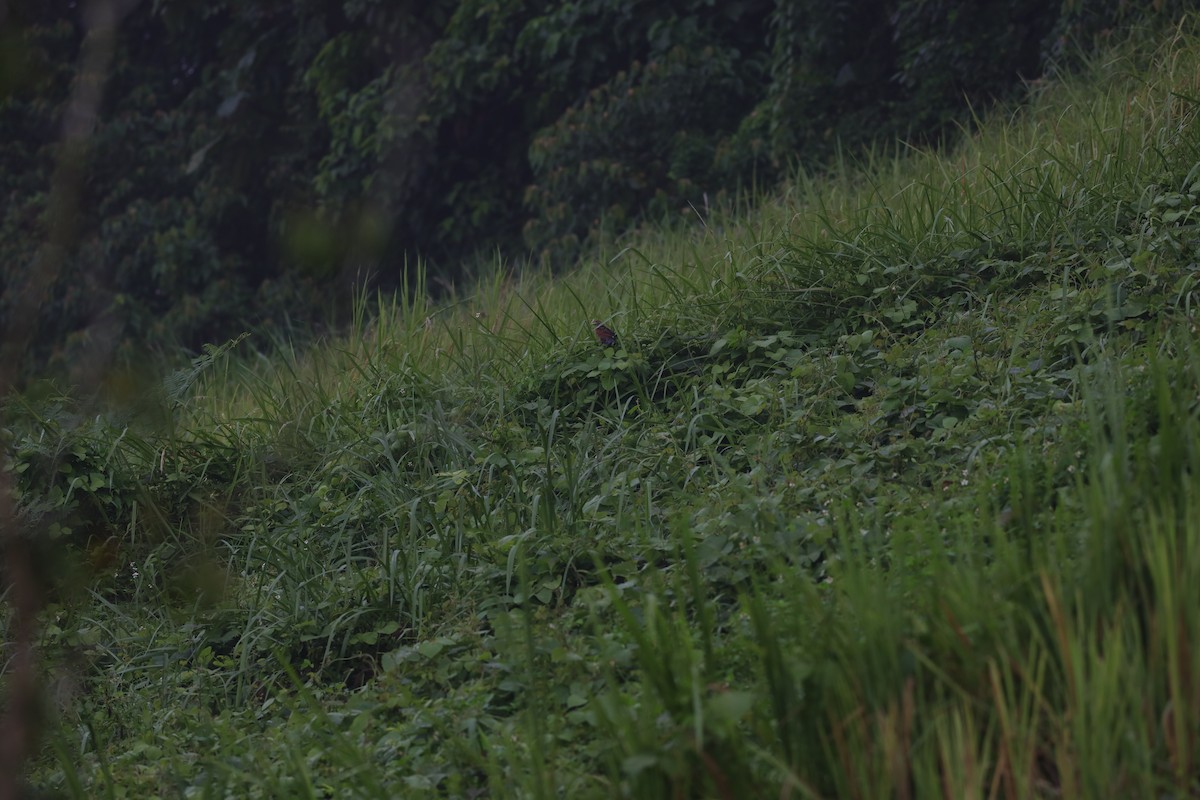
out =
column 604, row 334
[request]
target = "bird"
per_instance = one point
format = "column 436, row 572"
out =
column 604, row 334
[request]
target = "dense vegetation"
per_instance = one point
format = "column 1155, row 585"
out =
column 252, row 161
column 889, row 490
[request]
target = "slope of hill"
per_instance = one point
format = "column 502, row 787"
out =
column 889, row 488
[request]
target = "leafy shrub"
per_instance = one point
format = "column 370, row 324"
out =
column 949, row 54
column 645, row 140
column 1083, row 25
column 853, row 71
column 831, row 68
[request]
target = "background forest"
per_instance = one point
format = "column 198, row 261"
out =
column 256, row 161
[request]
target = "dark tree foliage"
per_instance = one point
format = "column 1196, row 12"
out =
column 254, row 159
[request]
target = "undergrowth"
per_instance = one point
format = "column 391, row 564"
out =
column 889, row 490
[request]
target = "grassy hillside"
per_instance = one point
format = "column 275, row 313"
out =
column 890, row 489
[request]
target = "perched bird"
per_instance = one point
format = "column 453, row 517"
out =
column 604, row 334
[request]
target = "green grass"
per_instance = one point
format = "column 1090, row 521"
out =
column 892, row 490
